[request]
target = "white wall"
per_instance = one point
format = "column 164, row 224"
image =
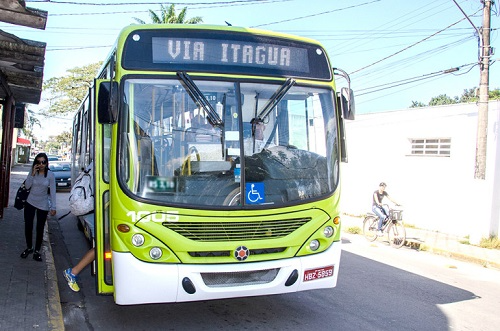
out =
column 438, row 193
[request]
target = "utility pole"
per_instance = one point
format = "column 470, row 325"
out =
column 482, row 114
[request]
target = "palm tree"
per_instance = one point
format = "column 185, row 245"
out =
column 168, row 16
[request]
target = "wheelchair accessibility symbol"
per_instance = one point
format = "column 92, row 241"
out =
column 254, row 193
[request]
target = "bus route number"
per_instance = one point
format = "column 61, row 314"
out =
column 318, row 273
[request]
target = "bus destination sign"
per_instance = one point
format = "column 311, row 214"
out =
column 229, row 52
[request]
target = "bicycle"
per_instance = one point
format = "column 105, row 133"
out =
column 392, row 226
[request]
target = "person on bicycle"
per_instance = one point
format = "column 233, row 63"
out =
column 380, row 210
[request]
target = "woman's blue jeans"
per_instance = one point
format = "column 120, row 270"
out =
column 382, row 213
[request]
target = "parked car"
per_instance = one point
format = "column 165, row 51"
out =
column 62, row 172
column 53, row 158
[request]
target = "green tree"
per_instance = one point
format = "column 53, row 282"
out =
column 64, row 139
column 51, row 147
column 469, row 95
column 29, row 123
column 64, row 94
column 167, row 15
column 417, row 104
column 442, row 99
column 55, row 144
column 494, row 94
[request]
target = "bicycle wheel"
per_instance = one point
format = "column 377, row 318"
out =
column 397, row 234
column 370, row 228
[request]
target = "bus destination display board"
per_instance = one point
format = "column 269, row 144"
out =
column 220, row 52
column 178, row 50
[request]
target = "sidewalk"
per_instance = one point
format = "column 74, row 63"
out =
column 439, row 243
column 29, row 297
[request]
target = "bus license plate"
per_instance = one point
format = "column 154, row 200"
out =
column 318, row 273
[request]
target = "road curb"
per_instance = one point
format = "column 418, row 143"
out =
column 54, row 310
column 440, row 244
column 464, row 257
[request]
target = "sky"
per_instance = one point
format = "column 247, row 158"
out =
column 395, row 51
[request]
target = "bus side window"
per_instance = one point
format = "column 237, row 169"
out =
column 107, row 102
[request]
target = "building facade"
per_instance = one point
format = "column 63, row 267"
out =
column 427, row 158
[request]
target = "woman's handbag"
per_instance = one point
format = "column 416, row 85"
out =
column 21, row 196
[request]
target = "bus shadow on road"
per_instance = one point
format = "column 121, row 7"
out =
column 391, row 298
column 369, row 296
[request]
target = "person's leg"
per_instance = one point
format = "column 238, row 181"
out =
column 85, row 261
column 29, row 216
column 381, row 216
column 386, row 210
column 41, row 218
column 71, row 273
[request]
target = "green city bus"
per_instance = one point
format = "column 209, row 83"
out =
column 216, row 157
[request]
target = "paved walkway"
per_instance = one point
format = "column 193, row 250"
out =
column 441, row 243
column 29, row 297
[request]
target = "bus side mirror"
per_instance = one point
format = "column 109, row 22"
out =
column 343, row 142
column 107, row 102
column 346, row 101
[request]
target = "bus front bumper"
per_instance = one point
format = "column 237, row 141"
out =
column 137, row 282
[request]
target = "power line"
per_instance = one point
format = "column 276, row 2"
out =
column 404, row 89
column 366, row 50
column 407, row 19
column 410, row 46
column 405, row 81
column 208, row 6
column 314, row 15
column 396, row 66
column 103, row 13
column 153, row 3
column 74, row 48
column 385, row 95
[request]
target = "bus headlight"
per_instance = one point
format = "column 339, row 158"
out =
column 155, row 253
column 314, row 245
column 137, row 240
column 328, row 231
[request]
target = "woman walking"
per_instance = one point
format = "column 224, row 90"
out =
column 42, row 198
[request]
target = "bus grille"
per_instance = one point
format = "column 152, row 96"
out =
column 228, row 253
column 236, row 231
column 226, row 279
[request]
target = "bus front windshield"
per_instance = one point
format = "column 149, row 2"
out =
column 227, row 144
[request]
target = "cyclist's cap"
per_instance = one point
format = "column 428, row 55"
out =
column 382, row 184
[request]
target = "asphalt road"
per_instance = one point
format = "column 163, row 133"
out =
column 379, row 288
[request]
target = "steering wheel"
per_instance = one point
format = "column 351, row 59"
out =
column 233, row 198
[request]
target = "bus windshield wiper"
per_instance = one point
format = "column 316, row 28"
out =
column 200, row 99
column 274, row 100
